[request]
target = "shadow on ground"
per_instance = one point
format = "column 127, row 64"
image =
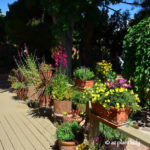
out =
column 41, row 112
column 142, row 118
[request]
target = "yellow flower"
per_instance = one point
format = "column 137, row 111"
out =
column 122, row 105
column 104, row 105
column 132, row 92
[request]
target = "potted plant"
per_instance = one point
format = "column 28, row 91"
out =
column 111, row 138
column 68, row 135
column 61, row 94
column 114, row 100
column 44, row 89
column 79, row 100
column 83, row 77
column 46, row 71
column 20, row 89
column 29, row 68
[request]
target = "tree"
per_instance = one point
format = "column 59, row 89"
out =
column 137, row 55
column 28, row 22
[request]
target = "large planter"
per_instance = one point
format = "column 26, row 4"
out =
column 115, row 115
column 45, row 100
column 67, row 145
column 62, row 106
column 81, row 84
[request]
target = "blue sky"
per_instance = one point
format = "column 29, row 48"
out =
column 123, row 7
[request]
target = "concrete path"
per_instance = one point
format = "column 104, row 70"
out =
column 19, row 130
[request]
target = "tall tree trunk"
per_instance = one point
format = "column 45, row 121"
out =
column 86, row 52
column 67, row 44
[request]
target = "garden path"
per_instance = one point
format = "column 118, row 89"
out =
column 19, row 130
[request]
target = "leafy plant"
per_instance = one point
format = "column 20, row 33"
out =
column 28, row 67
column 60, row 87
column 68, row 131
column 18, row 85
column 45, row 67
column 136, row 49
column 78, row 97
column 83, row 73
column 111, row 134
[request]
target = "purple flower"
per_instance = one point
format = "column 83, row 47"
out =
column 96, row 139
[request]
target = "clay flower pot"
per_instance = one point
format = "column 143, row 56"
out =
column 115, row 115
column 81, row 84
column 67, row 145
column 62, row 106
column 46, row 75
column 21, row 93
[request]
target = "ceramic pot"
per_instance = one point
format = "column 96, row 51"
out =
column 81, row 84
column 67, row 145
column 62, row 106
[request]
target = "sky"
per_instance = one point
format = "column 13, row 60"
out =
column 123, row 7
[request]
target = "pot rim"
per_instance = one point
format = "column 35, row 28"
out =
column 68, row 143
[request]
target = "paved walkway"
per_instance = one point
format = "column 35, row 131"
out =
column 19, row 130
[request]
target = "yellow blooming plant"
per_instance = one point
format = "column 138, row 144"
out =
column 104, row 70
column 118, row 97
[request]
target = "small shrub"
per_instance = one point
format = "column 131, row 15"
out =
column 83, row 74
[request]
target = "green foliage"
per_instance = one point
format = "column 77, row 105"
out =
column 28, row 67
column 45, row 67
column 78, row 97
column 68, row 131
column 48, row 89
column 60, row 86
column 111, row 134
column 12, row 76
column 136, row 47
column 83, row 73
column 18, row 85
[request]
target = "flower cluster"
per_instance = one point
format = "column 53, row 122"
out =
column 118, row 97
column 118, row 82
column 92, row 145
column 60, row 57
column 104, row 67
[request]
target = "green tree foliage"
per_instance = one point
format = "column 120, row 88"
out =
column 28, row 22
column 137, row 56
column 2, row 27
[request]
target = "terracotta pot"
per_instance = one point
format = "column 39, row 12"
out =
column 62, row 106
column 81, row 107
column 115, row 115
column 45, row 75
column 21, row 93
column 67, row 145
column 81, row 84
column 45, row 101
